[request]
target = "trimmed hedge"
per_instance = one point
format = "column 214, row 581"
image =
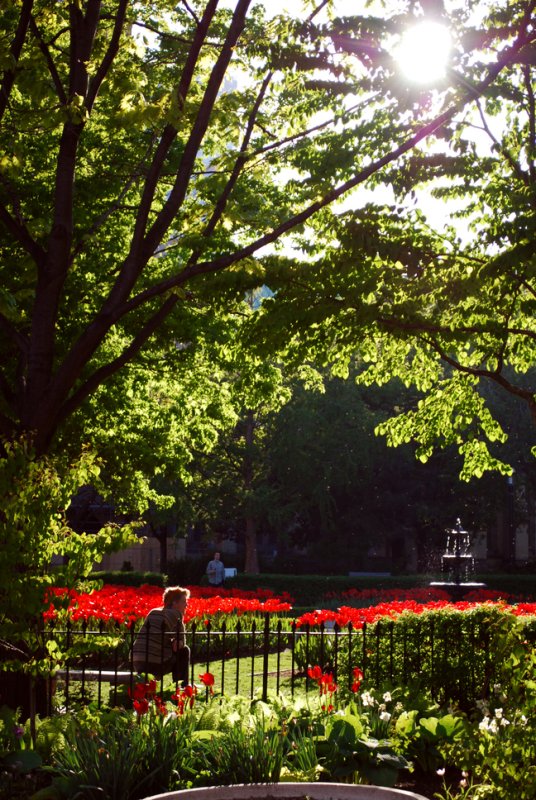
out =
column 308, row 590
column 130, row 577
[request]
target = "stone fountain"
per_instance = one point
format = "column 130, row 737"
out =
column 457, row 564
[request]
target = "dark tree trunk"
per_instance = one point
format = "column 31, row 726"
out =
column 251, row 564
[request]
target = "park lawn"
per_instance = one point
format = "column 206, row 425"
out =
column 243, row 676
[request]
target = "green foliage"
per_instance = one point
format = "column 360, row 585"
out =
column 442, row 656
column 183, row 177
column 39, row 549
column 124, row 758
column 350, row 754
column 249, row 752
column 370, row 737
column 424, row 737
column 498, row 750
column 432, row 281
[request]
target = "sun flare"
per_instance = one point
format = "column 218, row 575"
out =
column 423, row 52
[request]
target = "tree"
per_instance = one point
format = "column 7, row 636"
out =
column 138, row 178
column 227, row 484
column 337, row 491
column 149, row 152
column 444, row 310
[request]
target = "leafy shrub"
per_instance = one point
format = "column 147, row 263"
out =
column 446, row 656
column 498, row 749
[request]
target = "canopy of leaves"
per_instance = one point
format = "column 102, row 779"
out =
column 444, row 307
column 150, row 150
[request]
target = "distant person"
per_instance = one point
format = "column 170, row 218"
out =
column 160, row 645
column 216, row 571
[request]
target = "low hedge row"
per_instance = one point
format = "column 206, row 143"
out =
column 130, row 577
column 309, row 590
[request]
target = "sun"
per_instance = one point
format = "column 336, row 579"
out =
column 423, row 52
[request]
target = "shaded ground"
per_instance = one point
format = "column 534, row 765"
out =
column 429, row 784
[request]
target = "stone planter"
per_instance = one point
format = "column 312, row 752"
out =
column 290, row 791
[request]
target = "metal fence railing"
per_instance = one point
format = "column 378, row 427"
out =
column 452, row 661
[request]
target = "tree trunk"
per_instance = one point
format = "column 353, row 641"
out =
column 251, row 564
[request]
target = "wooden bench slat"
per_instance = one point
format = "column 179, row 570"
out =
column 99, row 675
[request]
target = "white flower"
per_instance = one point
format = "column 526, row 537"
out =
column 498, row 713
column 440, row 771
column 504, row 721
column 385, row 716
column 387, row 697
column 367, row 699
column 523, row 719
column 484, row 724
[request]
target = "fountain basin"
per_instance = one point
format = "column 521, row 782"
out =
column 290, row 791
column 457, row 591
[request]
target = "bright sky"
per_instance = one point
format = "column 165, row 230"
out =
column 434, row 209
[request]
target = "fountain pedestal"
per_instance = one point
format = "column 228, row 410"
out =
column 457, row 564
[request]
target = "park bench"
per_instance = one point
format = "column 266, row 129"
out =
column 123, row 677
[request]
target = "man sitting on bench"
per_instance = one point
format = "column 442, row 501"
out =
column 160, row 645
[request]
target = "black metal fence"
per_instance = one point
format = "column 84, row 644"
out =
column 451, row 661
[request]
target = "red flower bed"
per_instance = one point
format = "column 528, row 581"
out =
column 422, row 594
column 127, row 604
column 346, row 615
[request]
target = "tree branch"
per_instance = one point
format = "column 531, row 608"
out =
column 56, row 80
column 418, row 326
column 107, row 61
column 169, row 211
column 15, row 49
column 497, row 377
column 531, row 149
column 313, row 129
column 103, row 373
column 241, row 159
column 190, row 11
column 504, row 151
column 54, row 269
column 225, row 261
column 22, row 235
column 118, row 304
column 168, row 137
column 114, row 206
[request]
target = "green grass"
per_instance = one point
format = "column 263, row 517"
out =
column 242, row 676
